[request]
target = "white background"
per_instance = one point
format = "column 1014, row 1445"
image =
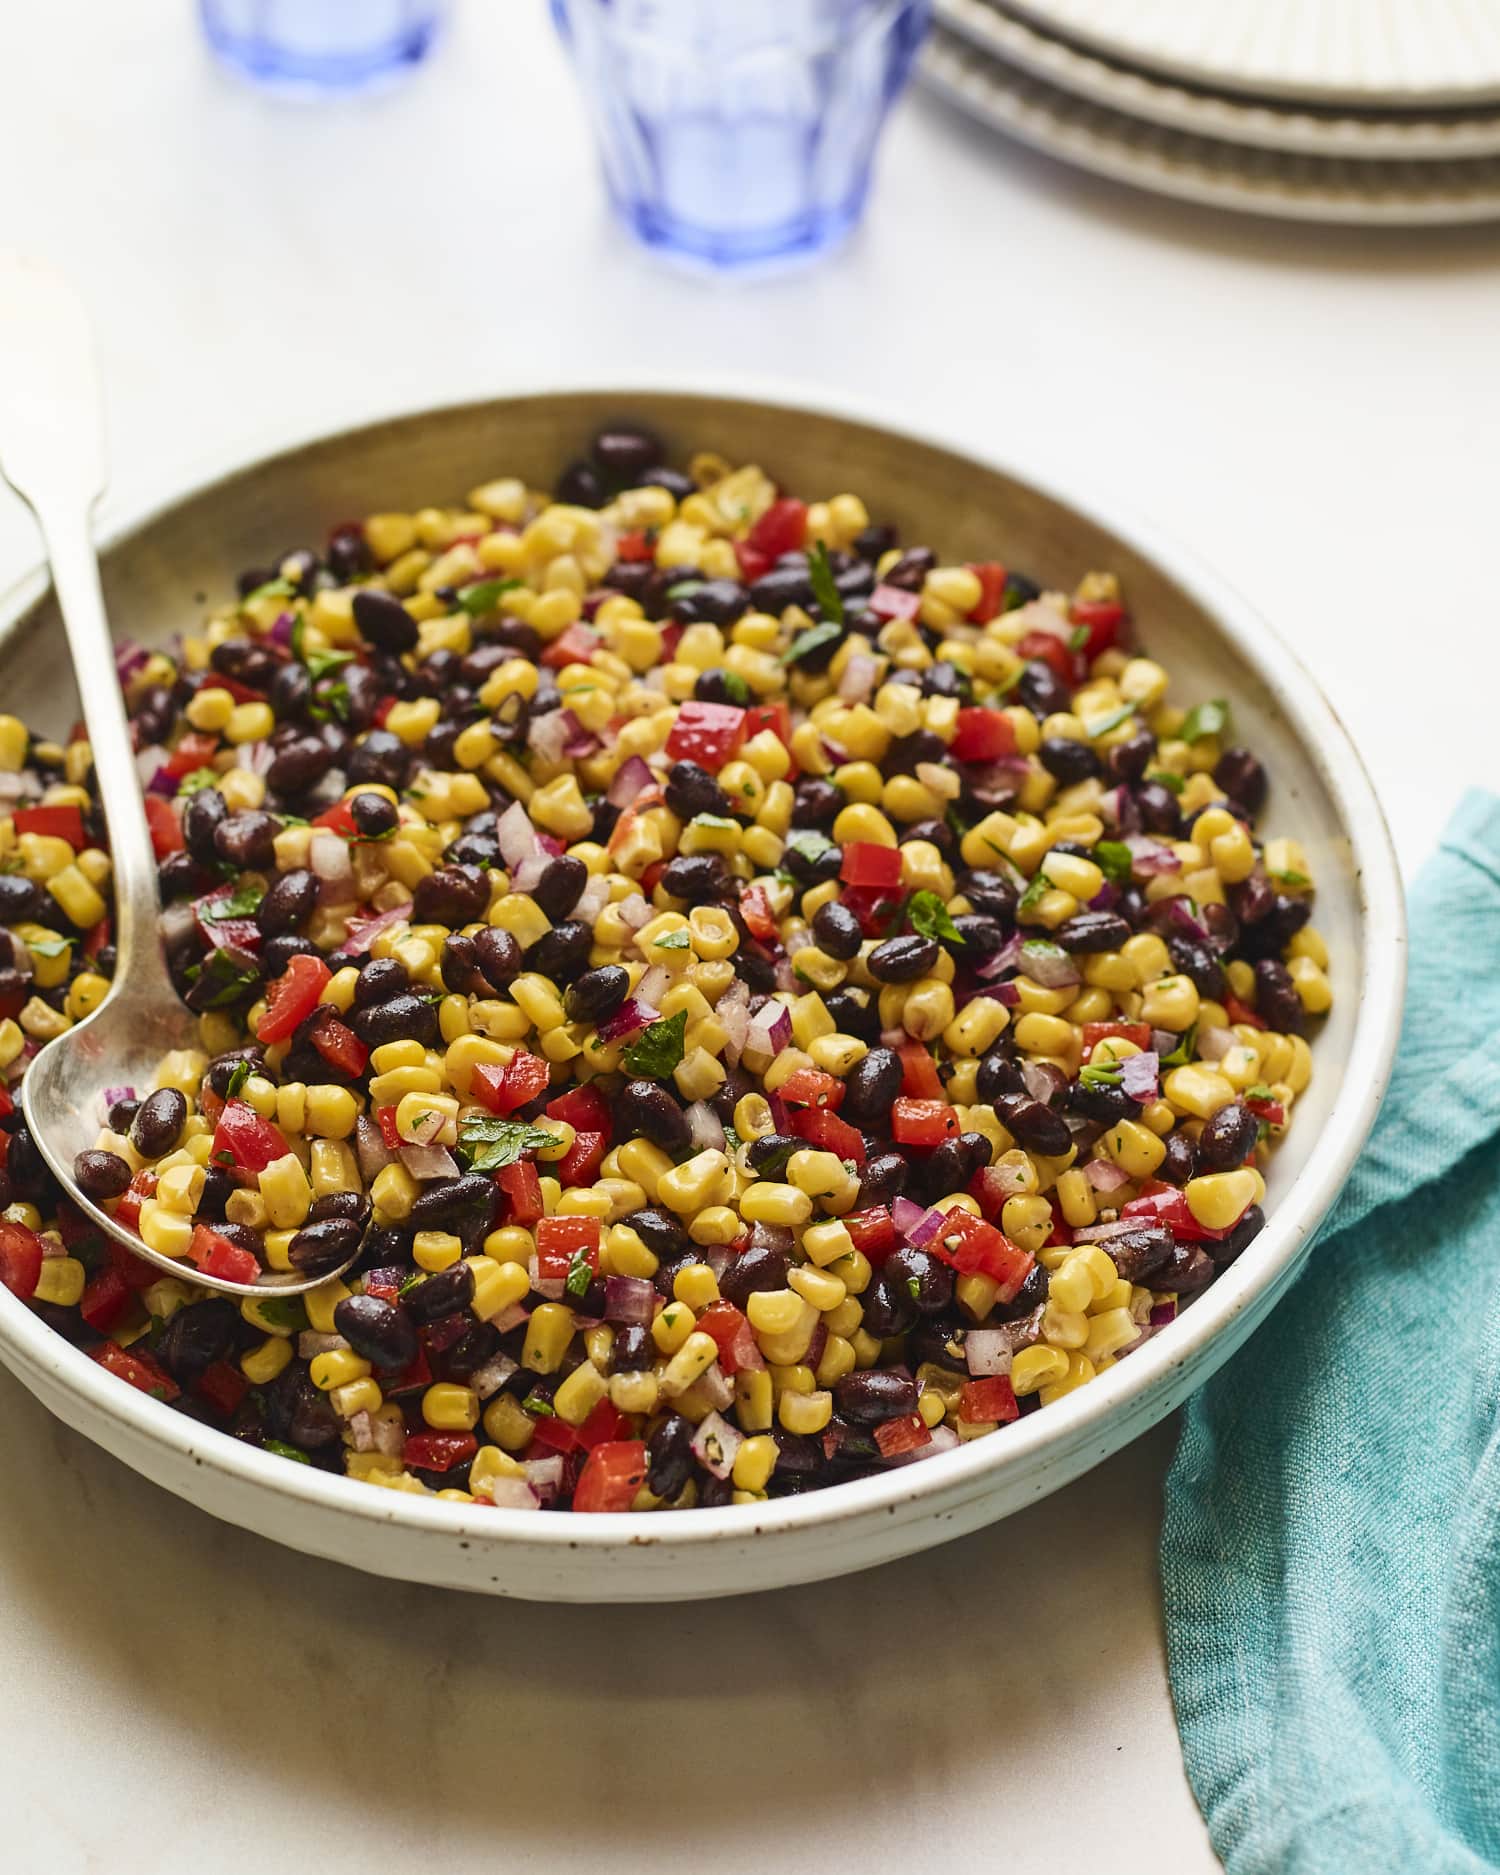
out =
column 1314, row 410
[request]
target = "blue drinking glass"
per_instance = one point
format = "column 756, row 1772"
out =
column 321, row 45
column 740, row 132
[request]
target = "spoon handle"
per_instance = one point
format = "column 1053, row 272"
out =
column 52, row 454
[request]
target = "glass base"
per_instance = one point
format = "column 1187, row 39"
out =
column 744, row 249
column 275, row 68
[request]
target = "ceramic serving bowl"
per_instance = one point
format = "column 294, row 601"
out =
column 159, row 574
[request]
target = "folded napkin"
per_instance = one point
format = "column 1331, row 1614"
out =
column 1331, row 1547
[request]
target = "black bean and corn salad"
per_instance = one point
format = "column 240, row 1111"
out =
column 769, row 1004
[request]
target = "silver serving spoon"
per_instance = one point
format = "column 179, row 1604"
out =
column 52, row 455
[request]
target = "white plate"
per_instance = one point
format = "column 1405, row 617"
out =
column 155, row 578
column 1378, row 54
column 1201, row 169
column 1266, row 126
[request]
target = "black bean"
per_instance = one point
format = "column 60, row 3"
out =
column 780, row 587
column 1041, row 690
column 941, row 1343
column 753, row 1270
column 660, row 1232
column 951, row 1164
column 645, row 1110
column 1276, row 928
column 313, row 1422
column 696, row 878
column 979, row 937
column 248, row 840
column 1181, row 1161
column 1139, row 1254
column 669, row 1456
column 1030, row 1297
column 1239, row 1239
column 855, row 1012
column 1128, row 761
column 692, row 790
column 500, row 956
column 870, row 1087
column 319, row 1248
column 928, row 1282
column 400, row 1018
column 453, row 895
column 1158, row 809
column 29, row 1173
column 711, row 602
column 1241, row 775
column 1276, row 1000
column 837, row 931
column 1227, row 1138
column 374, row 815
column 942, row 679
column 201, row 818
column 453, row 1200
column 380, row 1332
column 999, row 1075
column 288, row 903
column 196, row 1336
column 299, row 763
column 902, row 959
column 884, row 1178
column 460, row 966
column 768, row 1154
column 122, row 1112
column 875, row 1395
column 1033, row 1125
column 101, row 1174
column 815, row 800
column 1186, row 1272
column 277, row 952
column 446, row 1293
column 1068, row 761
column 624, row 454
column 383, row 621
column 911, row 569
column 154, row 714
column 378, row 756
column 597, row 993
column 159, row 1122
column 561, row 953
column 632, row 1350
column 1101, row 1102
column 560, row 886
column 887, row 1308
column 1089, row 931
column 380, row 980
column 995, row 897
column 20, row 899
column 582, row 486
column 922, row 745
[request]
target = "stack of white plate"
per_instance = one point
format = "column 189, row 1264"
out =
column 1326, row 110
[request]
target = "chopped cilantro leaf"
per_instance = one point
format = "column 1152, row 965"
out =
column 283, row 1450
column 1208, row 719
column 810, row 843
column 913, row 1287
column 1174, row 784
column 660, row 1049
column 1101, row 725
column 220, row 981
column 484, row 595
column 1098, row 1075
column 543, row 1409
column 272, row 589
column 238, row 1075
column 1078, row 637
column 197, row 781
column 1259, row 1092
column 492, row 1143
column 1032, row 896
column 931, row 918
column 715, row 820
column 677, row 940
column 49, row 947
column 813, row 639
column 1288, row 878
column 241, row 904
column 684, row 589
column 580, row 1274
column 820, row 574
column 737, row 689
column 1182, row 1054
column 1112, row 857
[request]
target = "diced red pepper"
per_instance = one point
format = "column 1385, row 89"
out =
column 781, row 529
column 560, row 1239
column 873, row 905
column 195, row 750
column 811, row 1087
column 576, row 646
column 605, row 1422
column 521, row 1185
column 1047, row 648
column 709, row 734
column 135, row 1272
column 580, row 1164
column 923, row 1122
column 753, row 563
column 890, row 602
column 990, row 1398
column 775, row 716
column 821, row 1127
column 13, row 1000
column 163, row 826
column 583, row 1107
column 1103, row 619
column 1009, row 1265
column 867, row 864
column 223, row 1386
column 671, row 637
column 502, row 1090
column 991, row 577
column 20, row 1259
column 55, row 823
column 734, row 1335
column 138, row 1368
column 384, row 1283
column 242, row 934
column 1271, row 1111
column 1096, row 1032
column 919, row 1073
column 907, row 1434
column 614, row 1473
column 990, row 1188
column 105, row 1298
column 338, row 819
column 755, row 909
column 872, row 1232
column 439, row 1451
column 1061, row 1232
column 292, row 998
column 972, row 1246
column 243, row 1141
column 418, row 1375
column 217, row 1256
column 555, row 1435
column 1168, row 1206
column 635, row 546
column 982, row 735
column 390, row 1137
column 1237, row 1013
column 340, row 1047
column 7, row 1105
column 98, row 936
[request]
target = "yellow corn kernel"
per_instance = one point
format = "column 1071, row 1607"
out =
column 754, row 1462
column 549, row 1330
column 436, row 1249
column 393, row 1193
column 768, row 1203
column 1311, row 984
column 580, row 1393
column 1036, row 1367
column 1197, row 1089
column 61, row 1282
column 180, row 1188
column 261, row 1365
column 447, row 1407
column 167, row 1231
column 805, row 1412
column 77, row 896
column 672, row 1326
column 330, row 1111
column 1080, row 1372
column 334, row 1369
column 1170, row 1003
column 693, row 1359
column 1219, row 1199
column 703, row 1180
column 1133, row 1148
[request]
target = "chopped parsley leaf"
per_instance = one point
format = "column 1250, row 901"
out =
column 825, row 591
column 660, row 1049
column 1034, row 893
column 484, row 595
column 813, row 639
column 931, row 918
column 492, row 1143
column 1112, row 857
column 1208, row 719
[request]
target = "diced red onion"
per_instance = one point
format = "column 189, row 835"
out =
column 632, row 779
column 987, row 1351
column 770, row 1028
column 544, row 1475
column 1162, row 1313
column 550, row 844
column 1149, row 858
column 1139, row 1076
column 1105, row 1175
column 282, row 628
column 111, row 1094
column 25, row 784
column 718, row 1257
column 1215, row 1044
column 1042, row 1081
column 835, row 751
column 717, row 1388
column 1186, row 923
column 426, row 1127
column 629, row 1019
column 705, row 1127
column 890, row 602
column 715, row 1444
column 554, row 1288
column 528, row 875
column 547, row 736
column 580, row 742
column 507, row 1493
column 772, row 1237
column 310, row 1344
column 176, row 922
column 129, row 658
column 360, row 1431
column 1010, row 1179
column 1099, row 1233
column 734, row 1014
column 489, row 1379
column 1042, row 615
column 1164, row 1041
column 1106, row 898
column 940, row 1439
column 1008, row 957
column 629, row 1301
column 634, row 911
column 256, row 756
column 390, row 1435
column 148, row 760
column 428, row 1161
column 511, row 1316
column 328, row 855
column 905, row 1213
column 1048, row 964
column 859, row 677
column 362, row 931
column 591, row 900
column 164, row 782
column 654, row 985
column 515, row 835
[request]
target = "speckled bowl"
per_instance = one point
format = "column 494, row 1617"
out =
column 158, row 574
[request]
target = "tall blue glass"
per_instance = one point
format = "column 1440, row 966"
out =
column 321, row 45
column 740, row 132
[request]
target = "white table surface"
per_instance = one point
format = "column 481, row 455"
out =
column 1315, row 410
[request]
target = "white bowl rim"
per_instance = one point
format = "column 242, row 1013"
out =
column 1068, row 1422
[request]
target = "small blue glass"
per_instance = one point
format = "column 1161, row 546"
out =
column 321, row 46
column 736, row 133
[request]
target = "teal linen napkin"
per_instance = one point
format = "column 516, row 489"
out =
column 1331, row 1545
